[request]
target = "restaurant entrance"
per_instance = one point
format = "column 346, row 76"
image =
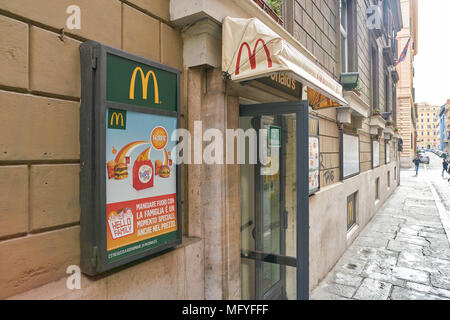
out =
column 274, row 202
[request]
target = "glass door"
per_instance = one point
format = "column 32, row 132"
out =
column 270, row 231
column 270, row 202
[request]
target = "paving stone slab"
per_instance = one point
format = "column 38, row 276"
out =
column 340, row 290
column 382, row 227
column 437, row 253
column 420, row 202
column 428, row 290
column 440, row 244
column 346, row 279
column 424, row 223
column 391, row 220
column 409, row 231
column 433, row 235
column 385, row 235
column 352, row 266
column 371, row 242
column 322, row 294
column 378, row 266
column 399, row 293
column 372, row 289
column 418, row 276
column 385, row 278
column 440, row 280
column 420, row 241
column 396, row 245
column 371, row 254
column 415, row 260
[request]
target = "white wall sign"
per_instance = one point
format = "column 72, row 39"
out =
column 388, row 152
column 350, row 155
column 375, row 153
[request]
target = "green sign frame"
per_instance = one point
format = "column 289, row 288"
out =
column 115, row 84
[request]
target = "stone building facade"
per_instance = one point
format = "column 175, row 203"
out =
column 445, row 126
column 405, row 89
column 40, row 146
column 427, row 123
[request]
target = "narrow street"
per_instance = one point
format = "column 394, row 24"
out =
column 403, row 253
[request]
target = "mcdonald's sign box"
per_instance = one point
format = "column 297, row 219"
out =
column 129, row 183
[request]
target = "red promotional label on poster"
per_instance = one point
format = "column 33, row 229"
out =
column 137, row 220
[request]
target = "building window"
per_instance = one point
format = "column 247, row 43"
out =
column 343, row 11
column 375, row 154
column 374, row 78
column 348, row 35
column 389, row 179
column 351, row 211
column 377, row 189
column 386, row 91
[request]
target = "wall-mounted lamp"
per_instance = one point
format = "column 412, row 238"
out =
column 349, row 80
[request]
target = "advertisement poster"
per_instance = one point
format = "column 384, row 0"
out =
column 350, row 155
column 376, row 153
column 140, row 182
column 388, row 152
column 314, row 165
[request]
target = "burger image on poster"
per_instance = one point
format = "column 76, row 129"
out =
column 143, row 167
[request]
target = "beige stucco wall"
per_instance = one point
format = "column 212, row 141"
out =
column 328, row 237
column 405, row 101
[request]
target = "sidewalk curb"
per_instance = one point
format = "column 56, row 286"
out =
column 443, row 213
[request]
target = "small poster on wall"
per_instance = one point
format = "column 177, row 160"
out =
column 375, row 153
column 314, row 164
column 388, row 152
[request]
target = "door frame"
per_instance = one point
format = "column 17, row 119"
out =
column 301, row 109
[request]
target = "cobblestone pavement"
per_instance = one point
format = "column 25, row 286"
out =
column 404, row 252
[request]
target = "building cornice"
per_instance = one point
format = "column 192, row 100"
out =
column 186, row 14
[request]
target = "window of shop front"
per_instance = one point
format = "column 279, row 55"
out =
column 343, row 10
column 350, row 165
column 389, row 179
column 348, row 36
column 386, row 91
column 374, row 78
column 351, row 210
column 388, row 152
column 377, row 189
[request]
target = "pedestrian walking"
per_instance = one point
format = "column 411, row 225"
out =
column 444, row 166
column 416, row 162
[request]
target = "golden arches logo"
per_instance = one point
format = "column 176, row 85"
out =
column 144, row 80
column 117, row 116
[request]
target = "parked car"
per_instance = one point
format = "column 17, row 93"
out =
column 425, row 159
